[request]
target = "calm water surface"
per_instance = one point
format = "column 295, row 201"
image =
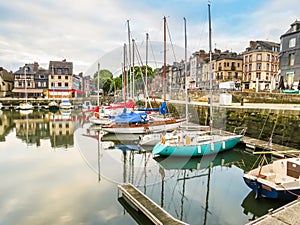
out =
column 54, row 170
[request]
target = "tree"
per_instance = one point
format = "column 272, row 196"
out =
column 106, row 80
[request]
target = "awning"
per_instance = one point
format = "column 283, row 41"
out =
column 22, row 90
column 78, row 91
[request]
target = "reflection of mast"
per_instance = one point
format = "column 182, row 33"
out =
column 124, row 166
column 182, row 196
column 207, row 194
column 132, row 165
column 162, row 173
column 99, row 155
column 145, row 173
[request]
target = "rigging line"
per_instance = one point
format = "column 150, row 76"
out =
column 273, row 129
column 138, row 57
column 261, row 131
column 171, row 43
column 143, row 172
column 152, row 53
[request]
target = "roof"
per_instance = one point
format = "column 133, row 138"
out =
column 294, row 28
column 6, row 76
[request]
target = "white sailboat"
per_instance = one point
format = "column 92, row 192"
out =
column 195, row 146
column 99, row 117
column 25, row 105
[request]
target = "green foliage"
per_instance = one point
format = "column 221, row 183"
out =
column 110, row 84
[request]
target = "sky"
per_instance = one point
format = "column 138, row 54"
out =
column 88, row 32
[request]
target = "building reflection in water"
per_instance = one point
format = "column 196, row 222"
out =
column 34, row 126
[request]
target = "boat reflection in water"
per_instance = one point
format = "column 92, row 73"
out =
column 194, row 169
column 257, row 207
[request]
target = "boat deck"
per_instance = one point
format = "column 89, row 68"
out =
column 148, row 207
column 288, row 214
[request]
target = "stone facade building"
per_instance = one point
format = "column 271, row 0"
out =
column 261, row 65
column 60, row 79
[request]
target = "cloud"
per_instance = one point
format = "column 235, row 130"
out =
column 85, row 30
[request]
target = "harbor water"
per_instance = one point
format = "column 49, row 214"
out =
column 56, row 169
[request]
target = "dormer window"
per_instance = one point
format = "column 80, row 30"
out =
column 294, row 27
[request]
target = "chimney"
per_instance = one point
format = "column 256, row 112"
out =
column 253, row 44
column 35, row 67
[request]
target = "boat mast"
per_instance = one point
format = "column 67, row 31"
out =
column 133, row 72
column 124, row 75
column 146, row 72
column 25, row 70
column 185, row 72
column 129, row 51
column 210, row 72
column 98, row 100
column 165, row 59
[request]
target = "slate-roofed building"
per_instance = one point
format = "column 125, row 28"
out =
column 261, row 65
column 6, row 82
column 290, row 56
column 228, row 66
column 31, row 81
column 60, row 79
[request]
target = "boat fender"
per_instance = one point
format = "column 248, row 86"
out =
column 199, row 149
column 97, row 114
column 163, row 140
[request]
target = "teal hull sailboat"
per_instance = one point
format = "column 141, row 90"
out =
column 194, row 146
column 210, row 144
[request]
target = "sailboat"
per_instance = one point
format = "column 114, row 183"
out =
column 141, row 122
column 25, row 105
column 195, row 146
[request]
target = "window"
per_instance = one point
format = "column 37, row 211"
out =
column 59, row 77
column 58, row 71
column 268, row 58
column 258, row 66
column 52, row 84
column 66, row 77
column 291, row 59
column 250, row 58
column 59, row 84
column 268, row 67
column 66, row 84
column 258, row 76
column 258, row 57
column 229, row 75
column 250, row 67
column 246, row 59
column 42, row 76
column 292, row 42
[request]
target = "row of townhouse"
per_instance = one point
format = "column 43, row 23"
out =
column 33, row 81
column 264, row 65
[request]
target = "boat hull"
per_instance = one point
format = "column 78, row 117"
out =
column 196, row 150
column 263, row 190
column 141, row 128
